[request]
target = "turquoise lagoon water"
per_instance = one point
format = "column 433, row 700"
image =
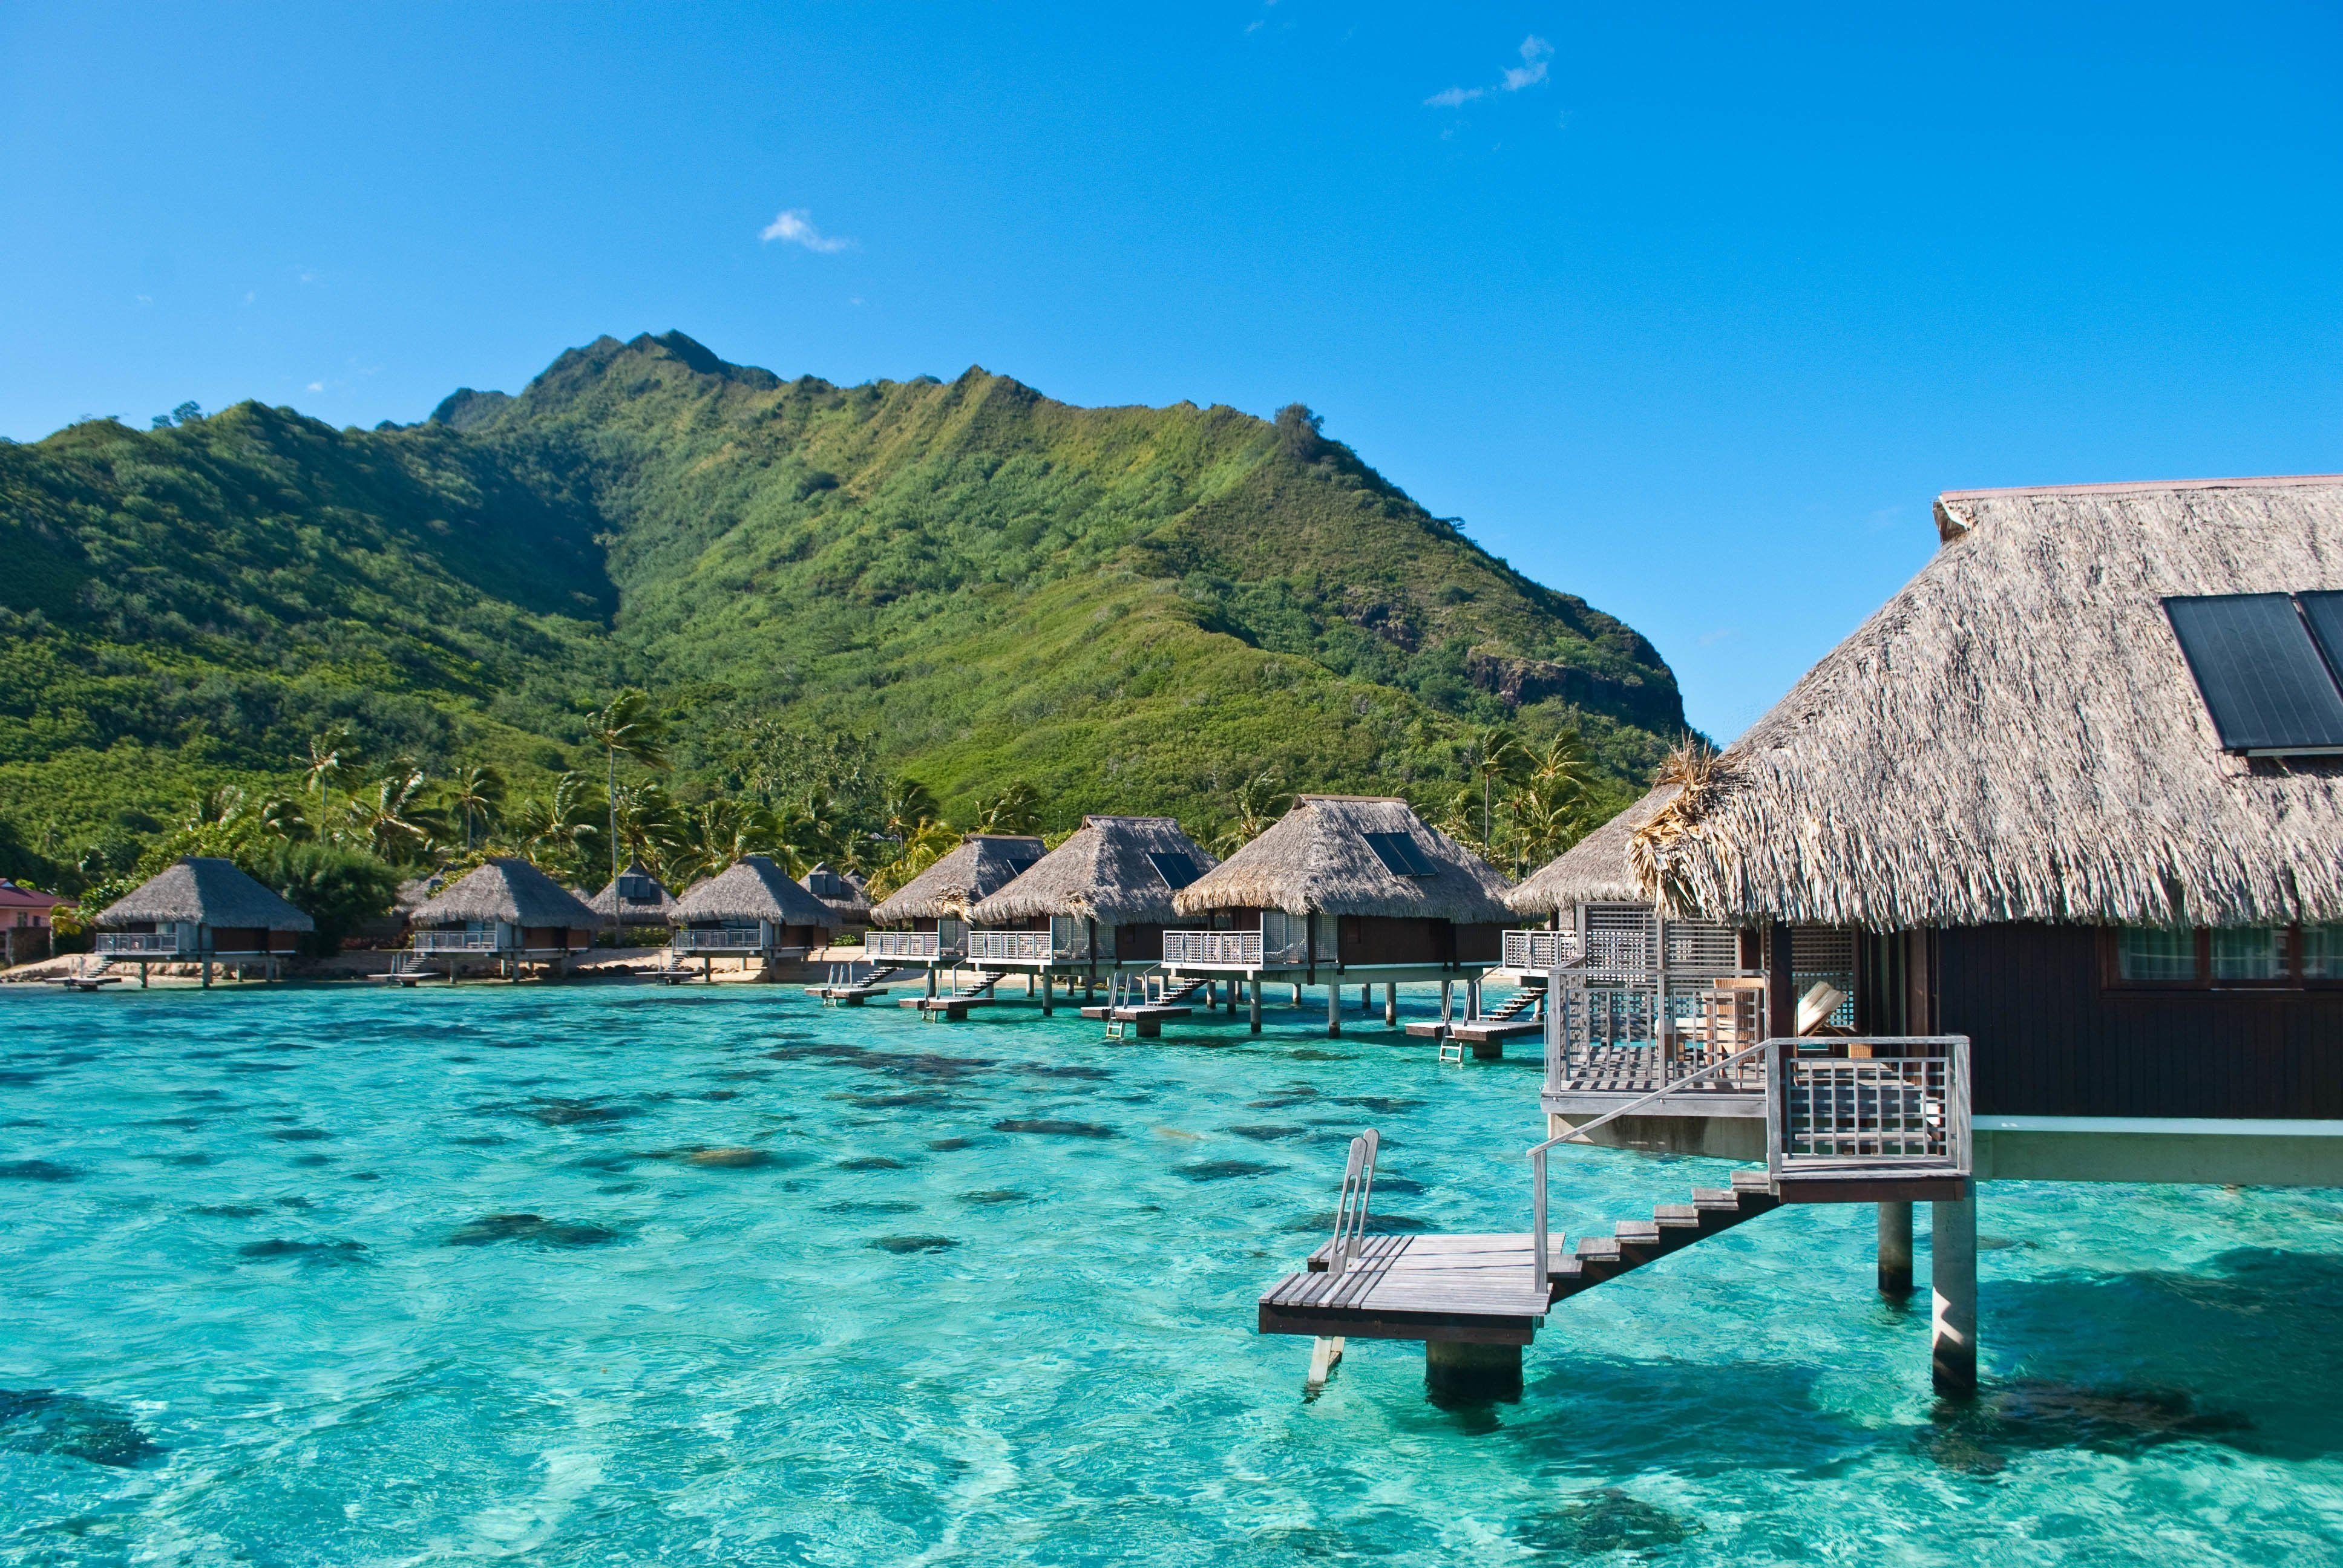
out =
column 620, row 1276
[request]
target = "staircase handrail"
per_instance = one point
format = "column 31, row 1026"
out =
column 1579, row 1135
column 1350, row 1208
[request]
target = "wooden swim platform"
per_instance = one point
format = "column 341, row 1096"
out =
column 83, row 982
column 1145, row 1019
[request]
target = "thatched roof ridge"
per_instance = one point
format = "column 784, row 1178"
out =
column 752, row 887
column 982, row 865
column 1316, row 857
column 649, row 912
column 208, row 890
column 2014, row 736
column 506, row 888
column 840, row 893
column 1102, row 872
column 1595, row 871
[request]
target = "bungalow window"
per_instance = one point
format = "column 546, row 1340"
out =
column 2248, row 953
column 2322, row 952
column 2152, row 955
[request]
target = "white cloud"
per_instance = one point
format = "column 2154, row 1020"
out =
column 795, row 226
column 1532, row 70
column 316, row 385
column 1535, row 51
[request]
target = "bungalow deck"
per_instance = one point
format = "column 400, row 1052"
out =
column 1872, row 1121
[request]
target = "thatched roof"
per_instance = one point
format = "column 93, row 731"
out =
column 1108, row 872
column 1595, row 871
column 1318, row 857
column 655, row 910
column 752, row 887
column 982, row 865
column 2016, row 736
column 841, row 892
column 207, row 891
column 510, row 890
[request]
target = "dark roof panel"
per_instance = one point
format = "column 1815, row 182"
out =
column 2260, row 675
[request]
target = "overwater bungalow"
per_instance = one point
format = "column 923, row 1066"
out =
column 206, row 912
column 504, row 914
column 634, row 900
column 1095, row 904
column 750, row 912
column 844, row 895
column 2061, row 825
column 1342, row 890
column 925, row 924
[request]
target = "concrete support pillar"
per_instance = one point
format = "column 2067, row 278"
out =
column 1049, row 986
column 1896, row 1249
column 1367, row 997
column 142, row 976
column 1297, row 993
column 1333, row 1010
column 1474, row 1372
column 1952, row 1281
column 931, row 979
column 1472, row 996
column 1256, row 1005
column 207, row 974
column 1390, row 1002
column 1447, row 999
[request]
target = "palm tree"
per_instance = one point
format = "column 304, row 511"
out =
column 1016, row 810
column 628, row 727
column 649, row 823
column 473, row 794
column 557, row 826
column 329, row 754
column 393, row 817
column 1495, row 751
column 1254, row 802
column 720, row 833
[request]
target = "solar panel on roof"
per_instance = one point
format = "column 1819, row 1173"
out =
column 1399, row 854
column 2324, row 612
column 2260, row 674
column 1176, row 868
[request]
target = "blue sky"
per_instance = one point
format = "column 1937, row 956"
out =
column 1691, row 310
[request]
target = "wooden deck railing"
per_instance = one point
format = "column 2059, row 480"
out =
column 1540, row 950
column 1884, row 1106
column 717, row 939
column 1215, row 949
column 1024, row 948
column 913, row 945
column 140, row 945
column 428, row 942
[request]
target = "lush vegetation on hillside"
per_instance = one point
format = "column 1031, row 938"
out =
column 828, row 592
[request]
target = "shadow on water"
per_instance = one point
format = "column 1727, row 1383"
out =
column 1602, row 1417
column 2240, row 1351
column 529, row 1230
column 42, row 1421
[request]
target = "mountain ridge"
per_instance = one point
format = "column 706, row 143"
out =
column 1129, row 607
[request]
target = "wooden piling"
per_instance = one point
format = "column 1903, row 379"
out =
column 1333, row 1009
column 1256, row 1004
column 1952, row 1284
column 1896, row 1249
column 1391, row 1003
column 1453, row 1370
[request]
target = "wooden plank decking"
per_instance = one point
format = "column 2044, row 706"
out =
column 1475, row 1289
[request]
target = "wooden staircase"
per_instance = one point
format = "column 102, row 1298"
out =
column 954, row 1005
column 1672, row 1228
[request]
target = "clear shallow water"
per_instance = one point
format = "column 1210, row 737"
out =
column 625, row 1275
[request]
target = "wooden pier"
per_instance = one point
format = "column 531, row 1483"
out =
column 1887, row 1129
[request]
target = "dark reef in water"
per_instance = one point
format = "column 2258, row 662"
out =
column 1056, row 1128
column 995, row 1195
column 870, row 1162
column 326, row 1253
column 533, row 1229
column 1605, row 1522
column 34, row 1170
column 913, row 1243
column 42, row 1421
column 2033, row 1415
column 1268, row 1134
column 1225, row 1170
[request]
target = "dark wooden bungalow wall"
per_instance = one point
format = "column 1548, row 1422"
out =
column 2049, row 1036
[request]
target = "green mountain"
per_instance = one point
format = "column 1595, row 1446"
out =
column 1128, row 608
